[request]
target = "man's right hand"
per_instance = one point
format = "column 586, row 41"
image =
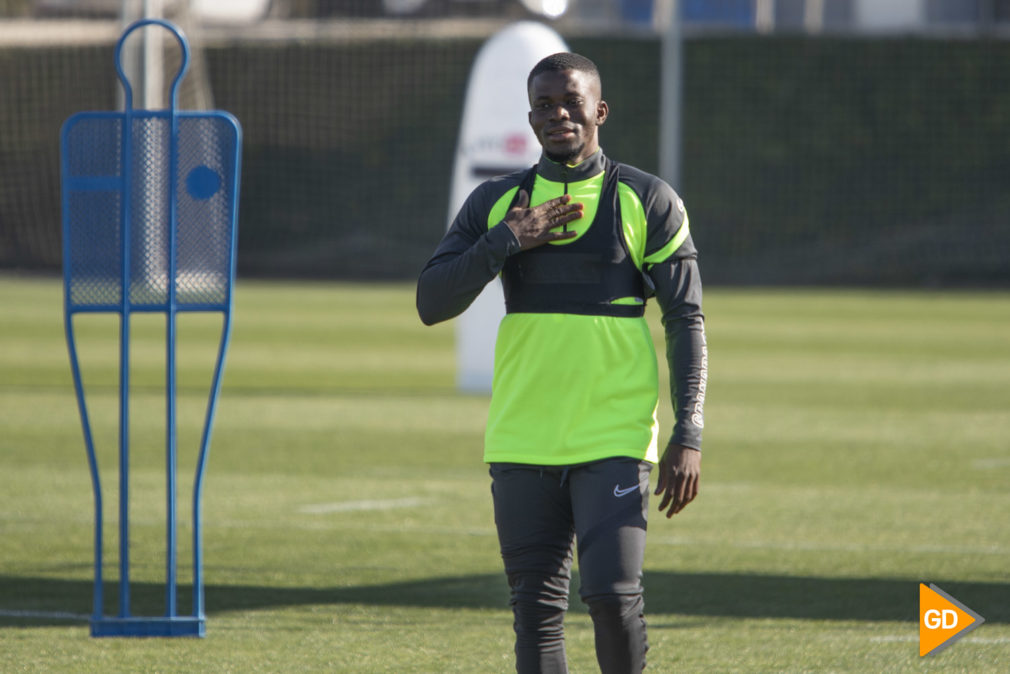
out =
column 535, row 226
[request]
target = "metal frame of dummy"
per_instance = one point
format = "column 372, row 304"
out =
column 121, row 291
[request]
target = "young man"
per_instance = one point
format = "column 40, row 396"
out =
column 580, row 242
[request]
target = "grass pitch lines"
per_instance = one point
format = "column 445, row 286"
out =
column 42, row 615
column 365, row 504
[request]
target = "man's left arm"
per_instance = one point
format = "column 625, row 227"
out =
column 669, row 261
column 678, row 293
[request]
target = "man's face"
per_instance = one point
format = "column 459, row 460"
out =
column 565, row 113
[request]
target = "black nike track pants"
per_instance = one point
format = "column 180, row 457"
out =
column 540, row 512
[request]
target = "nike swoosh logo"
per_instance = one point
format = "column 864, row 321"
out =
column 618, row 492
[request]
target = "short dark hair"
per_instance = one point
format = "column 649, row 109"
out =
column 563, row 61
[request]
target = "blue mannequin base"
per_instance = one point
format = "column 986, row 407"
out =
column 181, row 626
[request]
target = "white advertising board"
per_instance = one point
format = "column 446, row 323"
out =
column 495, row 138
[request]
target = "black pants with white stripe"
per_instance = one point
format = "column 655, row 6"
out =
column 541, row 512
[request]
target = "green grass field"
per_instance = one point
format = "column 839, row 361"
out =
column 857, row 443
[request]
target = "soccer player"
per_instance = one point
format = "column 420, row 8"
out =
column 581, row 242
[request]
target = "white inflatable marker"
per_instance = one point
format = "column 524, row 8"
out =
column 495, row 138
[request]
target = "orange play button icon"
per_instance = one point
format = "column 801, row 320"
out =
column 942, row 620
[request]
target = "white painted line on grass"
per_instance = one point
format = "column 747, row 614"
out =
column 426, row 530
column 42, row 615
column 989, row 464
column 840, row 547
column 911, row 638
column 358, row 506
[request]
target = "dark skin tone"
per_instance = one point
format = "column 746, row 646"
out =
column 566, row 112
column 679, row 477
